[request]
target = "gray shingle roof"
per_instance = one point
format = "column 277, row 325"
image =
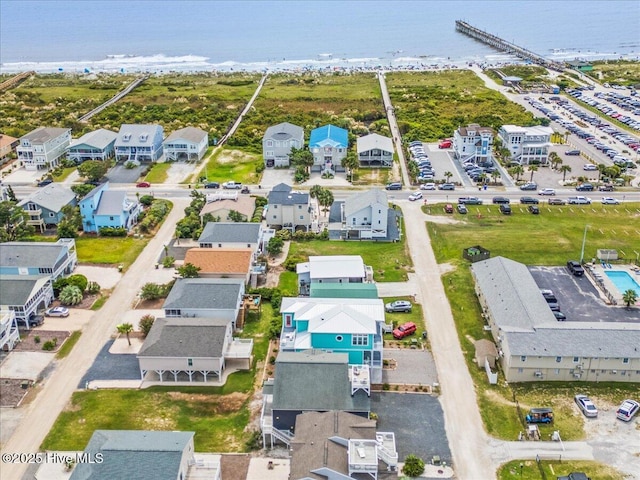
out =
column 315, row 380
column 52, row 197
column 111, row 202
column 374, row 141
column 357, row 202
column 204, row 293
column 185, row 337
column 311, row 447
column 100, row 138
column 140, row 454
column 190, row 134
column 230, row 232
column 281, row 194
column 16, row 289
column 30, row 254
column 44, row 134
column 284, row 131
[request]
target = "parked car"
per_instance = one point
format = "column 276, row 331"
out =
column 529, row 186
column 45, row 182
column 143, row 185
column 448, row 208
column 505, row 209
column 554, row 306
column 500, row 200
column 415, row 196
column 445, row 144
column 547, row 191
column 470, row 200
column 556, row 201
column 462, row 208
column 534, row 209
column 572, row 152
column 34, row 320
column 574, row 476
column 627, row 410
column 607, row 187
column 589, row 167
column 586, row 406
column 540, row 415
column 398, row 306
column 57, row 312
column 579, row 201
column 231, row 185
column 393, row 186
column 584, row 187
column 212, row 185
column 529, row 200
column 610, row 201
column 405, row 330
column 561, row 317
column 447, row 186
column 575, row 268
column 428, row 186
column 245, row 190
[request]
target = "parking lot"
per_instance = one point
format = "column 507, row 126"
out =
column 417, row 421
column 578, row 298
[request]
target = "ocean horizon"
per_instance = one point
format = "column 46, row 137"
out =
column 163, row 36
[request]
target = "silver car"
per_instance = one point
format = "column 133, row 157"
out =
column 586, row 406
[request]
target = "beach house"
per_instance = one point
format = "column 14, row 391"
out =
column 9, row 334
column 139, row 143
column 235, row 235
column 288, row 209
column 332, row 269
column 45, row 205
column 54, row 259
column 374, row 150
column 43, row 147
column 277, row 142
column 329, row 146
column 7, row 145
column 96, row 145
column 25, row 295
column 473, row 143
column 527, row 145
column 104, row 208
column 187, row 144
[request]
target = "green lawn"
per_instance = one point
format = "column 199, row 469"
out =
column 257, row 326
column 554, row 468
column 288, row 284
column 236, row 165
column 217, row 418
column 390, row 261
column 528, row 73
column 399, row 318
column 110, row 250
column 551, row 238
column 158, row 173
column 68, row 345
column 64, row 174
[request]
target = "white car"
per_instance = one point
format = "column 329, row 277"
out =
column 589, row 167
column 415, row 196
column 546, row 191
column 57, row 312
column 579, row 201
column 586, row 406
column 428, row 186
column 610, row 201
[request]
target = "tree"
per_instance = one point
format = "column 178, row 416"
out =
column 69, row 225
column 555, row 160
column 301, row 157
column 125, row 328
column 601, row 169
column 275, row 245
column 351, row 162
column 93, row 170
column 13, row 223
column 629, row 297
column 79, row 281
column 495, row 175
column 448, row 175
column 188, row 270
column 533, row 169
column 70, row 295
column 517, row 171
column 314, row 191
column 413, row 466
column 325, row 199
column 81, row 190
column 145, row 324
column 151, row 291
column 565, row 169
column 235, row 216
column 11, row 195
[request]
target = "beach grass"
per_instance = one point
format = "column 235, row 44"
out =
column 617, row 72
column 528, row 73
column 229, row 164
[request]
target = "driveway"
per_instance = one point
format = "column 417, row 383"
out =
column 413, row 367
column 417, row 421
column 120, row 174
column 109, row 366
column 578, row 298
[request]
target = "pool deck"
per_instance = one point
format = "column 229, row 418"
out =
column 597, row 274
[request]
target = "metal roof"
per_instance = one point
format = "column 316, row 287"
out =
column 373, row 141
column 111, row 202
column 333, row 266
column 329, row 135
column 343, row 290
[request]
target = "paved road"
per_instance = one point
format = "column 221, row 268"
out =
column 57, row 389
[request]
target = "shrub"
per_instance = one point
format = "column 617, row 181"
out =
column 113, row 231
column 36, row 339
column 151, row 291
column 292, row 261
column 385, row 386
column 260, row 168
column 59, row 284
column 145, row 324
column 284, row 234
column 70, row 295
column 146, row 200
column 167, row 262
column 130, row 165
column 79, row 281
column 50, row 344
column 413, row 466
column 261, row 201
column 272, row 360
column 93, row 288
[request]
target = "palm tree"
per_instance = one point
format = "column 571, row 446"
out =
column 325, row 199
column 315, row 191
column 351, row 162
column 601, row 169
column 125, row 328
column 565, row 169
column 448, row 175
column 554, row 159
column 630, row 297
column 566, row 136
column 517, row 170
column 533, row 169
column 495, row 175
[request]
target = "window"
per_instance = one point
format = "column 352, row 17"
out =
column 275, row 207
column 274, row 217
column 301, row 217
column 219, row 245
column 520, row 370
column 359, row 339
column 576, row 359
column 339, row 338
column 299, row 207
column 558, row 359
column 523, row 358
column 269, row 143
column 111, row 218
column 288, row 320
column 190, row 362
column 557, row 371
column 51, row 214
column 625, row 360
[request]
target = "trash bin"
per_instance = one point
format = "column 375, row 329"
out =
column 424, row 335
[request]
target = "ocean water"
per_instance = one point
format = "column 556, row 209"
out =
column 164, row 35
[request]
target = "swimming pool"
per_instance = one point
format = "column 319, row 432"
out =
column 623, row 281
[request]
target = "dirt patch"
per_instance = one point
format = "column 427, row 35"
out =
column 12, row 391
column 33, row 340
column 497, row 398
column 214, row 404
column 446, row 268
column 273, row 276
column 442, row 219
column 231, row 156
column 234, row 467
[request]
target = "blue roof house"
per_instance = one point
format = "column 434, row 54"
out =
column 106, row 208
column 328, row 145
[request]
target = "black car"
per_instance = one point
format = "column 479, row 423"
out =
column 533, row 209
column 393, row 186
column 560, row 316
column 529, row 200
column 500, row 200
column 585, row 187
column 505, row 209
column 575, row 268
column 212, row 185
column 45, row 182
column 529, row 186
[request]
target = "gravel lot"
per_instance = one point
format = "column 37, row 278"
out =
column 107, row 366
column 413, row 367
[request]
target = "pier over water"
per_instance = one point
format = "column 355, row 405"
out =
column 508, row 47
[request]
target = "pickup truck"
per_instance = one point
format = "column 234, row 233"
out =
column 230, row 185
column 579, row 201
column 574, row 476
column 470, row 201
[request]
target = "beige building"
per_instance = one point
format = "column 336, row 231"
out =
column 534, row 346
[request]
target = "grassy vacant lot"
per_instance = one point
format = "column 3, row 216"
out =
column 158, row 172
column 431, row 105
column 237, row 165
column 288, row 283
column 110, row 250
column 619, row 72
column 206, row 100
column 256, row 326
column 550, row 238
column 64, row 173
column 547, row 239
column 56, row 100
column 218, row 415
column 555, row 468
column 390, row 261
column 313, row 100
